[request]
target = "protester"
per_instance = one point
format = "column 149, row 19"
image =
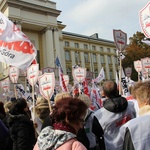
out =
column 7, row 106
column 21, row 127
column 42, row 111
column 67, row 118
column 85, row 134
column 116, row 111
column 59, row 96
column 5, row 142
column 136, row 132
column 4, row 133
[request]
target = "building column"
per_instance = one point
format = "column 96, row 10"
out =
column 107, row 67
column 73, row 57
column 82, row 59
column 99, row 63
column 58, row 51
column 113, row 66
column 49, row 48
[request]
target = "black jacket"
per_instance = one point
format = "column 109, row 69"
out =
column 22, row 132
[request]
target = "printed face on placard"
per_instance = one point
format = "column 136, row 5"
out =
column 128, row 71
column 144, row 16
column 13, row 74
column 146, row 64
column 138, row 66
column 47, row 84
column 120, row 39
column 79, row 74
column 32, row 74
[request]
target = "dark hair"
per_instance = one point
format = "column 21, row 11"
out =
column 18, row 106
column 70, row 108
column 2, row 110
column 110, row 89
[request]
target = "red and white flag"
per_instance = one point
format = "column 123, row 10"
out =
column 15, row 47
column 100, row 77
column 61, row 80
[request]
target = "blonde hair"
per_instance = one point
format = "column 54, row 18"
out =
column 7, row 106
column 86, row 99
column 142, row 92
column 61, row 95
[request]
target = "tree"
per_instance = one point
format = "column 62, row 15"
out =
column 135, row 51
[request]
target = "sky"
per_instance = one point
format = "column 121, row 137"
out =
column 87, row 17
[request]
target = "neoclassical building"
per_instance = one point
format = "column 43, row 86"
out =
column 38, row 20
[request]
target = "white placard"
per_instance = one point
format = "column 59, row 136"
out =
column 79, row 74
column 13, row 74
column 32, row 74
column 47, row 84
column 120, row 39
column 5, row 85
column 138, row 66
column 146, row 64
column 66, row 79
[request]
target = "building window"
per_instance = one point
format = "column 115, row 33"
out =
column 94, row 58
column 96, row 73
column 111, row 74
column 116, row 60
column 38, row 57
column 93, row 47
column 109, row 59
column 115, row 51
column 66, row 44
column 69, row 73
column 101, row 49
column 77, row 57
column 102, row 59
column 108, row 50
column 86, row 57
column 76, row 45
column 85, row 46
column 67, row 55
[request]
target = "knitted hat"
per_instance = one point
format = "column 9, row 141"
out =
column 41, row 103
column 86, row 99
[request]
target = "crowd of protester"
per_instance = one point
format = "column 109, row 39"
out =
column 72, row 125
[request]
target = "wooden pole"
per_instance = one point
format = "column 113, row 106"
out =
column 120, row 73
column 49, row 103
column 33, row 117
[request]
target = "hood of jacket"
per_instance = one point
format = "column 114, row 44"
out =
column 116, row 105
column 51, row 139
column 18, row 118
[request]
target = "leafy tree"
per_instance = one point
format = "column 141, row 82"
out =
column 135, row 51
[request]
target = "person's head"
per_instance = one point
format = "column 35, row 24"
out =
column 42, row 107
column 61, row 95
column 110, row 89
column 86, row 99
column 7, row 106
column 2, row 110
column 19, row 106
column 71, row 111
column 142, row 93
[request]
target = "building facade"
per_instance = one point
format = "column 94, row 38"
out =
column 38, row 20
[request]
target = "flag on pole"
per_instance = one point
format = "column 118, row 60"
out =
column 100, row 77
column 85, row 85
column 15, row 47
column 61, row 78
